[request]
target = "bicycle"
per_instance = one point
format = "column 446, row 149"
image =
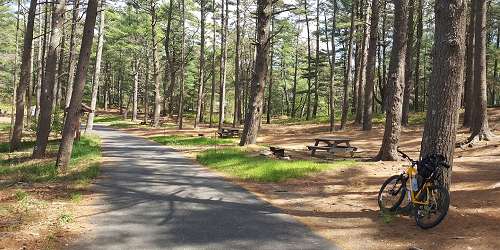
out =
column 427, row 195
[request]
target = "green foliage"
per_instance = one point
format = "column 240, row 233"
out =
column 239, row 163
column 65, row 218
column 7, row 49
column 190, row 141
column 76, row 197
column 21, row 195
column 57, row 121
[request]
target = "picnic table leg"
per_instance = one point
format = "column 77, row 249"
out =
column 349, row 145
column 314, row 149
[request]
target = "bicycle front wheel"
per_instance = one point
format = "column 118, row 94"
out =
column 392, row 193
column 429, row 216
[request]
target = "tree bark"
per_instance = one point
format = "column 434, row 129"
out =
column 395, row 85
column 370, row 67
column 295, row 69
column 445, row 82
column 469, row 69
column 408, row 66
column 39, row 70
column 223, row 58
column 46, row 98
column 363, row 66
column 316, row 65
column 214, row 51
column 271, row 78
column 308, row 110
column 72, row 52
column 74, row 112
column 17, row 131
column 480, row 129
column 183, row 76
column 254, row 113
column 156, row 80
column 331, row 57
column 136, row 91
column 418, row 45
column 348, row 72
column 201, row 74
column 97, row 71
column 237, row 88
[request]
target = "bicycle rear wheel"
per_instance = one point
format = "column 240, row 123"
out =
column 429, row 216
column 392, row 193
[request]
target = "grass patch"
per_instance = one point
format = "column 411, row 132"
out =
column 124, row 124
column 84, row 164
column 238, row 163
column 191, row 140
column 107, row 118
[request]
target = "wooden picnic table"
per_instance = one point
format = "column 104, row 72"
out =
column 228, row 132
column 333, row 145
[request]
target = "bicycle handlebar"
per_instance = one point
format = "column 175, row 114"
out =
column 405, row 155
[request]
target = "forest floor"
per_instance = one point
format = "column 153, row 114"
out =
column 40, row 209
column 341, row 203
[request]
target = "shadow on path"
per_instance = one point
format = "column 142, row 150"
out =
column 154, row 198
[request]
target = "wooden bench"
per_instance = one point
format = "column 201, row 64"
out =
column 332, row 145
column 228, row 132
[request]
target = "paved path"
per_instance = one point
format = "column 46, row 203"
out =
column 154, row 198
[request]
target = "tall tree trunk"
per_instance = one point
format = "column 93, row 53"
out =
column 223, row 58
column 370, row 67
column 183, row 76
column 97, row 71
column 295, row 69
column 46, row 37
column 156, row 80
column 254, row 113
column 17, row 131
column 395, row 85
column 363, row 66
column 316, row 65
column 72, row 52
column 445, row 82
column 39, row 71
column 14, row 82
column 74, row 112
column 45, row 120
column 237, row 88
column 169, row 69
column 480, row 129
column 214, row 51
column 331, row 60
column 136, row 90
column 469, row 69
column 146, row 91
column 418, row 45
column 308, row 110
column 348, row 72
column 271, row 78
column 408, row 65
column 201, row 74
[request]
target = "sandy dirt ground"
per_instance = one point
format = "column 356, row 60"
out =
column 341, row 204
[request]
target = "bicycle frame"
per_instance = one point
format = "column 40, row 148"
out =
column 411, row 173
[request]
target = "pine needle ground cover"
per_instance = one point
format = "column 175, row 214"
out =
column 38, row 207
column 244, row 165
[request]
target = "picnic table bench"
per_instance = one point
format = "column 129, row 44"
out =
column 228, row 132
column 332, row 145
